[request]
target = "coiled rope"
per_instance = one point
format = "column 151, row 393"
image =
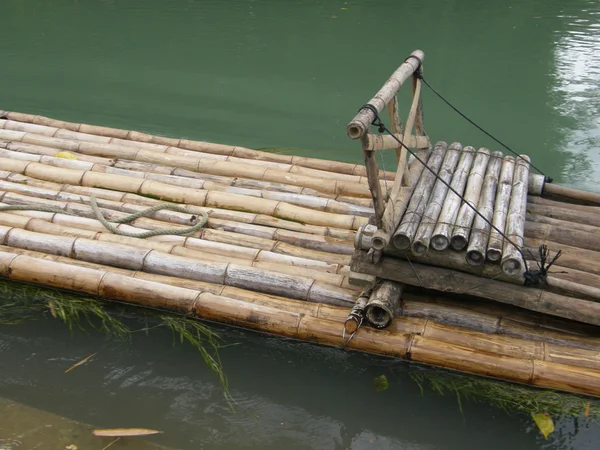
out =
column 203, row 218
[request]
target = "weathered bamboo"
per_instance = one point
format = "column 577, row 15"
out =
column 534, row 200
column 180, row 194
column 560, row 235
column 374, row 186
column 440, row 239
column 562, row 212
column 496, row 241
column 153, row 261
column 133, row 203
column 464, row 219
column 446, row 280
column 301, row 325
column 383, row 303
column 565, row 224
column 512, row 261
column 355, row 317
column 403, row 236
column 569, row 287
column 480, row 232
column 585, row 260
column 359, row 126
column 536, row 184
column 398, row 202
column 572, row 194
column 423, row 235
column 51, row 127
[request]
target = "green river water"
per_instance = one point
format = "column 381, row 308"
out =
column 289, row 74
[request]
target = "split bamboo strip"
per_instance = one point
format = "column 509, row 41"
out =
column 398, row 201
column 223, row 168
column 480, row 233
column 446, row 280
column 180, row 194
column 383, row 303
column 566, row 213
column 359, row 126
column 299, row 246
column 153, row 261
column 106, row 166
column 133, row 202
column 432, row 212
column 440, row 239
column 196, row 249
column 300, row 326
column 572, row 194
column 403, row 236
column 464, row 219
column 512, row 261
column 217, row 149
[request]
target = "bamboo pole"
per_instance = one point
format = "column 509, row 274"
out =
column 298, row 325
column 398, row 201
column 446, row 280
column 180, row 194
column 440, row 239
column 359, row 126
column 512, row 261
column 480, row 233
column 403, row 236
column 464, row 219
column 534, row 200
column 92, row 132
column 560, row 235
column 585, row 260
column 432, row 211
column 562, row 212
column 575, row 195
column 381, row 308
column 564, row 224
column 374, row 186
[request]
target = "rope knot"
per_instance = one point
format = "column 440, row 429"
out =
column 538, row 277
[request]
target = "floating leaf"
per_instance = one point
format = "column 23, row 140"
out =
column 71, row 447
column 344, row 9
column 83, row 361
column 544, row 423
column 380, row 383
column 586, row 411
column 121, row 432
column 66, row 155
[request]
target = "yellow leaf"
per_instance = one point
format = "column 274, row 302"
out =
column 65, row 155
column 544, row 423
column 114, row 432
column 586, row 411
column 334, row 17
column 344, row 9
column 83, row 361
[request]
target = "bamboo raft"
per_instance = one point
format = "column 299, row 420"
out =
column 298, row 247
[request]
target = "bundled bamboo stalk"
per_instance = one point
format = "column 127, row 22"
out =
column 381, row 308
column 398, row 202
column 180, row 194
column 133, row 203
column 105, row 166
column 476, row 251
column 153, row 261
column 562, row 235
column 564, row 224
column 589, row 198
column 440, row 239
column 224, row 168
column 589, row 217
column 512, row 261
column 303, row 326
column 432, row 211
column 533, row 200
column 403, row 236
column 462, row 227
column 446, row 280
column 142, row 139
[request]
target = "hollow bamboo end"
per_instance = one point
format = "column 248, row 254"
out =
column 401, row 242
column 351, row 325
column 440, row 242
column 378, row 316
column 419, row 249
column 379, row 242
column 511, row 266
column 458, row 242
column 354, row 131
column 494, row 255
column 475, row 258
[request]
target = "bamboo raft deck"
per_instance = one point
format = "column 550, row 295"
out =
column 286, row 246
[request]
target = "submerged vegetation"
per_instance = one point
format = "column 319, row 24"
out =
column 24, row 302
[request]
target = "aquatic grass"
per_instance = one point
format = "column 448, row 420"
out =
column 509, row 397
column 20, row 302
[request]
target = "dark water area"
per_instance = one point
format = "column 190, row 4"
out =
column 291, row 74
